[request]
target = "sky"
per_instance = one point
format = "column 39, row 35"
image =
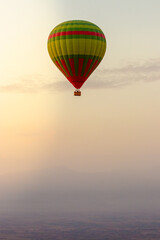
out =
column 99, row 151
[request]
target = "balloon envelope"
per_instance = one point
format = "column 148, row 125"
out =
column 76, row 47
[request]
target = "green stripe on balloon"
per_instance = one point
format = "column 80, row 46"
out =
column 93, row 62
column 68, row 64
column 85, row 64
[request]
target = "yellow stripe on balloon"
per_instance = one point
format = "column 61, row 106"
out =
column 91, row 47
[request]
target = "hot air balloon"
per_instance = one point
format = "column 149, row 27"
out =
column 76, row 47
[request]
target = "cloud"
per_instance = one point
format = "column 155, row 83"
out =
column 27, row 84
column 129, row 74
column 105, row 78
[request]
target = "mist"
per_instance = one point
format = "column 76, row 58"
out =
column 62, row 190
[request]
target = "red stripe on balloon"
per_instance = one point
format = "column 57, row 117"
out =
column 80, row 65
column 65, row 67
column 77, row 33
column 59, row 66
column 88, row 66
column 71, row 61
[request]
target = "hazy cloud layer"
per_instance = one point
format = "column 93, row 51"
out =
column 28, row 83
column 67, row 190
column 119, row 77
column 106, row 78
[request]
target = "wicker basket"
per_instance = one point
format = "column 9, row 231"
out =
column 77, row 93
